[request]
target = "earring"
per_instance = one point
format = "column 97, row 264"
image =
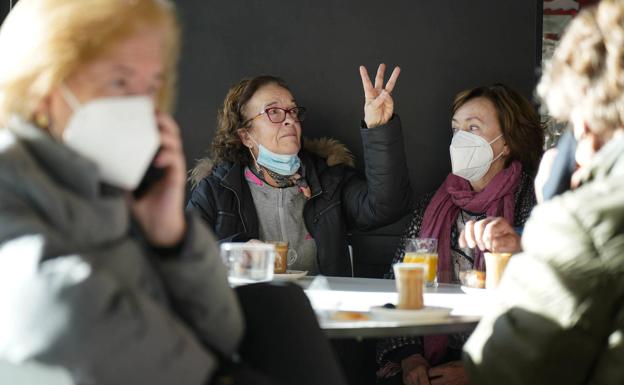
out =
column 42, row 120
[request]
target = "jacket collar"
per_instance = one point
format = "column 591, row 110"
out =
column 230, row 174
column 311, row 173
column 316, row 154
column 608, row 162
column 69, row 168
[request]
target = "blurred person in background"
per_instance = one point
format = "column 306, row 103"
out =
column 114, row 288
column 561, row 316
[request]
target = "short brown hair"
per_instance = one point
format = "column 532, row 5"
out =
column 586, row 72
column 520, row 124
column 226, row 145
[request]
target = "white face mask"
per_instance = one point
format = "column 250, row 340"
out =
column 471, row 155
column 118, row 134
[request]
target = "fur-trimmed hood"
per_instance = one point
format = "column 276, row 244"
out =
column 329, row 149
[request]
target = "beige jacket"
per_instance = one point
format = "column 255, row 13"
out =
column 560, row 317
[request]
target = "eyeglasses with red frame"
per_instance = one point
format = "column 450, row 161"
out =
column 278, row 114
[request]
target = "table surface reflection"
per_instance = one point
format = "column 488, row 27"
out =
column 331, row 294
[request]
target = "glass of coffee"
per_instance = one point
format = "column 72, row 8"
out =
column 281, row 256
column 495, row 264
column 410, row 282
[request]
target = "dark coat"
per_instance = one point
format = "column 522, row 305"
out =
column 341, row 200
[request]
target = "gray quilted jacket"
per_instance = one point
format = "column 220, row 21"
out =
column 80, row 289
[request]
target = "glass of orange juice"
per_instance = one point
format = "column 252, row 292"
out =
column 423, row 250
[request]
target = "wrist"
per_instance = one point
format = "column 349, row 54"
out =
column 371, row 123
column 414, row 361
column 170, row 235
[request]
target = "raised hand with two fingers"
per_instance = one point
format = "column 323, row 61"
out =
column 378, row 105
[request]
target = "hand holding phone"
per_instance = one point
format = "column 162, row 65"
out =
column 160, row 206
column 152, row 175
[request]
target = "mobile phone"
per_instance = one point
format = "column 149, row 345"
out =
column 563, row 167
column 152, row 175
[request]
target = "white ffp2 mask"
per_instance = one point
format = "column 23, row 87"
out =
column 471, row 155
column 118, row 134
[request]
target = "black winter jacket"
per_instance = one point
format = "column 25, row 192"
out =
column 341, row 200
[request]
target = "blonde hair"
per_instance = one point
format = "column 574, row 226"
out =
column 585, row 75
column 42, row 42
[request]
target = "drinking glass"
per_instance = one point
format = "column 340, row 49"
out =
column 410, row 282
column 285, row 257
column 248, row 262
column 495, row 264
column 424, row 250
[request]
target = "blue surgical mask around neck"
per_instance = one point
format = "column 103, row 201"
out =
column 283, row 164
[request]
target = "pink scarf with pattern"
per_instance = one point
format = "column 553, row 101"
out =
column 497, row 199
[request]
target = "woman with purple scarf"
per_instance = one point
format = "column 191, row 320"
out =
column 496, row 147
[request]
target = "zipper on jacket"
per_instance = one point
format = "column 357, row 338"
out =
column 308, row 202
column 240, row 214
column 280, row 214
column 326, row 209
column 318, row 261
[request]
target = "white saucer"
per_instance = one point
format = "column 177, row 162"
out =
column 428, row 313
column 290, row 275
column 473, row 290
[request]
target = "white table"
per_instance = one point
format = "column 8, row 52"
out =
column 359, row 294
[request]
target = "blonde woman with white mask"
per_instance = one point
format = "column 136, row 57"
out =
column 112, row 287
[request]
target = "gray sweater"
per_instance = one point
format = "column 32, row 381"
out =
column 81, row 289
column 280, row 215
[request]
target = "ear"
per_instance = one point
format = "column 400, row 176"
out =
column 243, row 134
column 587, row 144
column 506, row 150
column 41, row 114
column 595, row 141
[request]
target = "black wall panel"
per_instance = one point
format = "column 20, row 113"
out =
column 442, row 46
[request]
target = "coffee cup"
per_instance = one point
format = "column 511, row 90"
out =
column 495, row 264
column 281, row 256
column 410, row 283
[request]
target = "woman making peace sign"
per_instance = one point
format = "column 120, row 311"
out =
column 265, row 183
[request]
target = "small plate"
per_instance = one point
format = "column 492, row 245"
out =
column 428, row 313
column 350, row 316
column 290, row 275
column 473, row 290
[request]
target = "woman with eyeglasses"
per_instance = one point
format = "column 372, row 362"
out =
column 264, row 182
